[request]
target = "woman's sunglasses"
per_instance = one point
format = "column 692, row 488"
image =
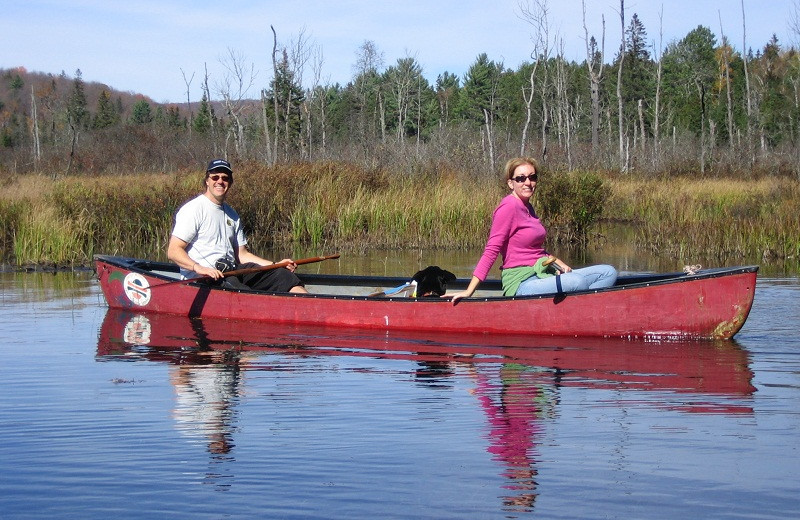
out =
column 533, row 177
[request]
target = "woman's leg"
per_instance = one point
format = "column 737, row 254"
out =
column 598, row 276
column 585, row 278
column 552, row 285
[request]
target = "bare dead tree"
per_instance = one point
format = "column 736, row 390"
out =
column 274, row 152
column 595, row 69
column 794, row 22
column 640, row 108
column 233, row 88
column 537, row 16
column 318, row 97
column 369, row 61
column 534, row 17
column 657, row 106
column 726, row 51
column 37, row 148
column 419, row 110
column 563, row 108
column 299, row 52
column 207, row 90
column 403, row 77
column 747, row 89
column 622, row 155
column 270, row 157
column 188, row 99
column 528, row 98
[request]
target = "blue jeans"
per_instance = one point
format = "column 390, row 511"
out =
column 585, row 278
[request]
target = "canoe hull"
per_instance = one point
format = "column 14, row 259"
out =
column 713, row 304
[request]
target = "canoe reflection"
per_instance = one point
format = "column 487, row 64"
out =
column 703, row 367
column 516, row 380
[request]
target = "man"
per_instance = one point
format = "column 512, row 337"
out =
column 208, row 236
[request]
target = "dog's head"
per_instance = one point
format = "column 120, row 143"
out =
column 432, row 281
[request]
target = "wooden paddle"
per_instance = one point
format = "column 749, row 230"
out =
column 248, row 270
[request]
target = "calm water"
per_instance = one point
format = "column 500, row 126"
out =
column 117, row 415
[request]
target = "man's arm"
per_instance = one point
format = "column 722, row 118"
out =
column 176, row 252
column 246, row 256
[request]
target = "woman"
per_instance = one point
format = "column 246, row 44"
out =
column 518, row 235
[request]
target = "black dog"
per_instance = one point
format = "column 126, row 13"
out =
column 432, row 281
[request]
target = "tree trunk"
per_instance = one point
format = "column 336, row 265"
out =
column 747, row 90
column 641, row 124
column 657, row 114
column 594, row 80
column 275, row 93
column 489, row 139
column 528, row 114
column 622, row 154
column 265, row 121
column 37, row 150
column 726, row 64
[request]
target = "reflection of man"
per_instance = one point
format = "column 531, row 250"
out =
column 204, row 393
column 513, row 417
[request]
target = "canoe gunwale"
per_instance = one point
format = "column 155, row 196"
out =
column 625, row 282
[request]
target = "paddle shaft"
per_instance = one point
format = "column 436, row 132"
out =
column 248, row 270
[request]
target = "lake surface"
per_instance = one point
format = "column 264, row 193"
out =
column 109, row 414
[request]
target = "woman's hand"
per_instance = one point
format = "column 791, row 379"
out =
column 561, row 266
column 457, row 296
column 470, row 290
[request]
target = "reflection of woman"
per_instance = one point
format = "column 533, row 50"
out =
column 518, row 235
column 513, row 416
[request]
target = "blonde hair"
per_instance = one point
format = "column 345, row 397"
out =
column 516, row 162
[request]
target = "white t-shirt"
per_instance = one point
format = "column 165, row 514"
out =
column 212, row 231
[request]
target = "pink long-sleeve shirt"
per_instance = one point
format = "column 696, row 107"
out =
column 516, row 234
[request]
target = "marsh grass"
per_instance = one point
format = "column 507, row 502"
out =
column 43, row 238
column 718, row 219
column 333, row 205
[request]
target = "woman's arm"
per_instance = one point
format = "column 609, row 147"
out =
column 469, row 291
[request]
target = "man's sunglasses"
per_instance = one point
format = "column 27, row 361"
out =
column 223, row 178
column 533, row 177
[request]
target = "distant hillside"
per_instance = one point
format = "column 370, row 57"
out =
column 16, row 84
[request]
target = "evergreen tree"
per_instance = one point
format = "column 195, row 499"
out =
column 289, row 94
column 202, row 121
column 106, row 114
column 479, row 96
column 15, row 82
column 174, row 119
column 689, row 71
column 773, row 105
column 637, row 73
column 403, row 83
column 76, row 105
column 447, row 90
column 142, row 113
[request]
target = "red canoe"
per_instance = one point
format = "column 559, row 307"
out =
column 710, row 304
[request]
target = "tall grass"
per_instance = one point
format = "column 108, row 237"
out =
column 339, row 205
column 42, row 237
column 717, row 219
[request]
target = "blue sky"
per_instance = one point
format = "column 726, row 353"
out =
column 142, row 46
